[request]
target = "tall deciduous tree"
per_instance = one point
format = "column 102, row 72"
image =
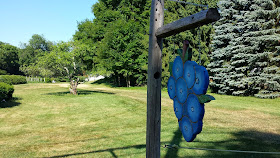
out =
column 9, row 61
column 117, row 38
column 246, row 58
column 123, row 52
column 35, row 48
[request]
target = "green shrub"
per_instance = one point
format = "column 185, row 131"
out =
column 63, row 79
column 13, row 79
column 6, row 91
column 48, row 80
column 54, row 79
column 82, row 78
column 3, row 72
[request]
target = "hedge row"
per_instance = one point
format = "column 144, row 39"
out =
column 6, row 91
column 13, row 79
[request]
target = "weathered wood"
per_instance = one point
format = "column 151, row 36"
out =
column 154, row 81
column 202, row 18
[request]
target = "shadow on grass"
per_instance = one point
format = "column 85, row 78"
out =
column 80, row 92
column 248, row 141
column 108, row 81
column 243, row 140
column 175, row 140
column 11, row 103
column 110, row 150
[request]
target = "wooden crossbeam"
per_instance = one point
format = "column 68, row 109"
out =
column 202, row 18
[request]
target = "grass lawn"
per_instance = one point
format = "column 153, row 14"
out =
column 45, row 121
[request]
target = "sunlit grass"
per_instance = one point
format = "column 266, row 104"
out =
column 45, row 121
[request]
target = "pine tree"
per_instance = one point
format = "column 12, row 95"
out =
column 245, row 58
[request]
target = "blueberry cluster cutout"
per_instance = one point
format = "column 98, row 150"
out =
column 187, row 87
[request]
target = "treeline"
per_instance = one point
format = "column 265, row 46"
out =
column 114, row 44
column 119, row 38
column 40, row 57
column 16, row 60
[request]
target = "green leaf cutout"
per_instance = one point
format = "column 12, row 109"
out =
column 188, row 55
column 211, row 97
column 170, row 68
column 180, row 52
column 205, row 98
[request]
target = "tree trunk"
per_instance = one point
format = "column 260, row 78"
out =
column 73, row 86
column 128, row 81
column 119, row 81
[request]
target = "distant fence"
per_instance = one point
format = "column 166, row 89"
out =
column 41, row 79
column 35, row 79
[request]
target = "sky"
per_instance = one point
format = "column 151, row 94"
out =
column 56, row 20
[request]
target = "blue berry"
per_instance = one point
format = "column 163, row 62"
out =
column 187, row 129
column 171, row 87
column 189, row 73
column 181, row 90
column 178, row 109
column 177, row 68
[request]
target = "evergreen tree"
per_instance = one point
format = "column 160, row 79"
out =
column 245, row 58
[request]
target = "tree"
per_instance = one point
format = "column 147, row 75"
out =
column 9, row 60
column 30, row 70
column 245, row 60
column 117, row 38
column 35, row 48
column 62, row 61
column 39, row 42
column 123, row 53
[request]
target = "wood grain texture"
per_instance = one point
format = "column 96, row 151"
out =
column 202, row 18
column 154, row 81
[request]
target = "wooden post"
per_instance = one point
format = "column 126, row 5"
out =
column 154, row 81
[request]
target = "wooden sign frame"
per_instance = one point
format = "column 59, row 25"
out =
column 158, row 31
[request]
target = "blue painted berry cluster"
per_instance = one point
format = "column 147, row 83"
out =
column 187, row 85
